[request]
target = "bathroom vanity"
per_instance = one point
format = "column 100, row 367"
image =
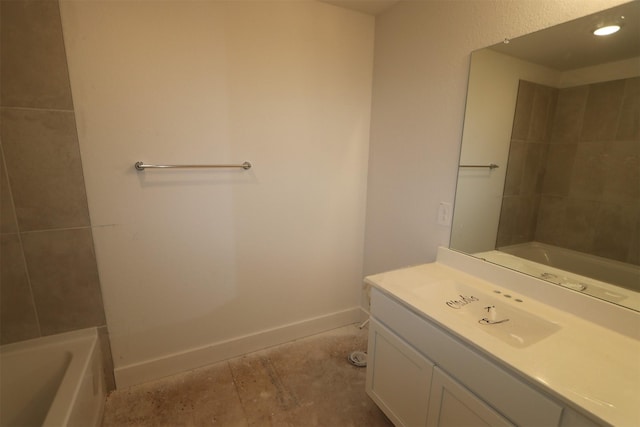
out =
column 463, row 342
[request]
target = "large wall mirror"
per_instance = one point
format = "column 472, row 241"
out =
column 549, row 180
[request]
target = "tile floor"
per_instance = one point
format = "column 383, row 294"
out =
column 308, row 382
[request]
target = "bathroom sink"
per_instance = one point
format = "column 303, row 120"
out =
column 491, row 313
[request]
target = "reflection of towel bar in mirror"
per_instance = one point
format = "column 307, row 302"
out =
column 490, row 166
column 141, row 166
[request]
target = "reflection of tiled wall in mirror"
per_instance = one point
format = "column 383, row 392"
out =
column 530, row 138
column 580, row 188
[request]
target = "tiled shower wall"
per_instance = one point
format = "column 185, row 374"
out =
column 589, row 185
column 530, row 137
column 49, row 278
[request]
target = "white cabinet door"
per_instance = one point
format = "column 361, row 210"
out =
column 452, row 405
column 398, row 377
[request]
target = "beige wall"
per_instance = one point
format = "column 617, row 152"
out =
column 420, row 80
column 49, row 278
column 194, row 261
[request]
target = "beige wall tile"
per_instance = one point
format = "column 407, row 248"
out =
column 541, row 112
column 528, row 217
column 579, row 225
column 18, row 320
column 604, row 104
column 515, row 166
column 527, row 162
column 506, row 225
column 599, row 174
column 614, row 233
column 589, row 171
column 634, row 246
column 551, row 215
column 522, row 115
column 533, row 172
column 560, row 160
column 622, row 179
column 569, row 112
column 44, row 168
column 34, row 66
column 7, row 214
column 629, row 123
column 518, row 219
column 64, row 279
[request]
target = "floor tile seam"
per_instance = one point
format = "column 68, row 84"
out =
column 285, row 402
column 237, row 390
column 282, row 385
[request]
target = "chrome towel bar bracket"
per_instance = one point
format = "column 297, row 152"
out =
column 140, row 166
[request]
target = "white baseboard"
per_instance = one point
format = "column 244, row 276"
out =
column 141, row 372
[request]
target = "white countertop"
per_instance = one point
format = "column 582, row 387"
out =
column 582, row 363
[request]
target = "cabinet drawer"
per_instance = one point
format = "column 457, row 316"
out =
column 511, row 397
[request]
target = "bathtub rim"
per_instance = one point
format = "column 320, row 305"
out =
column 47, row 340
column 506, row 259
column 594, row 258
column 618, row 273
column 83, row 345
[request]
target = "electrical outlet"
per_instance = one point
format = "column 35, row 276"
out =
column 444, row 214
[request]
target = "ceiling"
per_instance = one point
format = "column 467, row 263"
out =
column 568, row 46
column 371, row 7
column 572, row 44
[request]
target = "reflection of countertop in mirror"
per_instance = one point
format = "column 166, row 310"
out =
column 590, row 367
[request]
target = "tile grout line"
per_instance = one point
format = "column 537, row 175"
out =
column 19, row 235
column 56, row 110
column 45, row 230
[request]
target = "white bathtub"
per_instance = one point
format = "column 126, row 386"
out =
column 592, row 275
column 52, row 381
